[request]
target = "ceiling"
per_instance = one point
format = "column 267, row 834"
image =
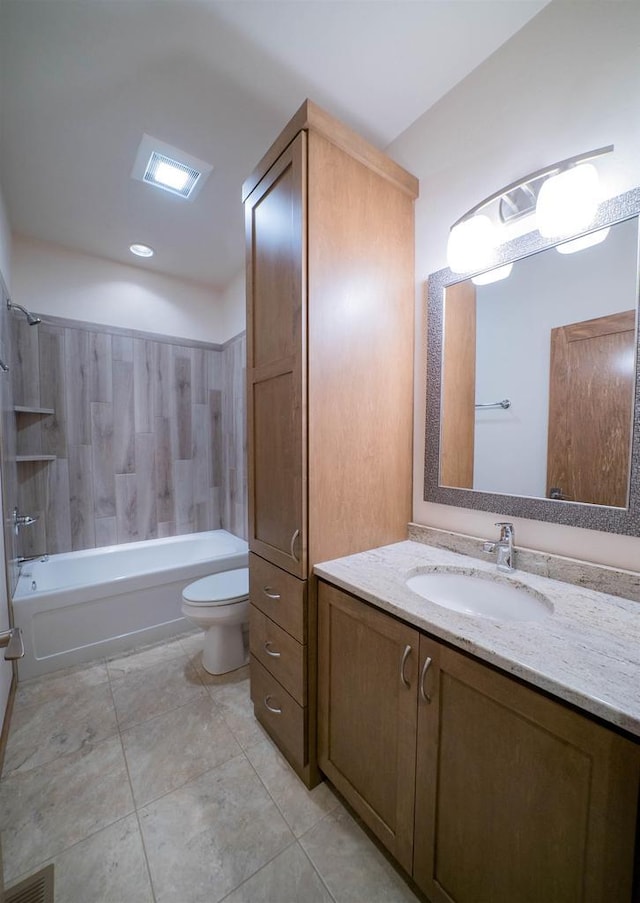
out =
column 82, row 80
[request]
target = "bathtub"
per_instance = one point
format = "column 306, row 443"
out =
column 79, row 606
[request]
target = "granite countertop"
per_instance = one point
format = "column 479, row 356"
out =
column 587, row 652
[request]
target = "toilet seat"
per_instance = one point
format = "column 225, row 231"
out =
column 225, row 588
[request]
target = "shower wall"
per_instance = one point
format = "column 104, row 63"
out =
column 146, row 435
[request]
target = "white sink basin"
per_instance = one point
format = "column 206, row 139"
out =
column 471, row 594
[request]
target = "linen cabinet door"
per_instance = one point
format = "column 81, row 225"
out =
column 275, row 221
column 518, row 797
column 367, row 670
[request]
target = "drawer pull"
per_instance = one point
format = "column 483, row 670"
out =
column 272, row 708
column 269, row 652
column 405, row 656
column 425, row 668
column 269, row 593
column 292, row 548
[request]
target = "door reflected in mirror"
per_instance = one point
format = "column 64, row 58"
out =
column 538, row 375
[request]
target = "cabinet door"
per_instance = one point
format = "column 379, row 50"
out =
column 367, row 714
column 519, row 798
column 275, row 220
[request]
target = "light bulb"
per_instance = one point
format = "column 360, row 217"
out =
column 471, row 244
column 493, row 275
column 568, row 201
column 584, row 241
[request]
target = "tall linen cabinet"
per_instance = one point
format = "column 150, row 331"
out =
column 330, row 311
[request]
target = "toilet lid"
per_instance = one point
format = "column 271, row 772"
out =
column 219, row 589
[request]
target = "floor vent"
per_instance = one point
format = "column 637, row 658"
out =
column 37, row 888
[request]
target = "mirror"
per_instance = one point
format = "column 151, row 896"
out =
column 532, row 381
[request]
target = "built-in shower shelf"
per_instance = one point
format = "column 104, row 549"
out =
column 22, row 409
column 22, row 459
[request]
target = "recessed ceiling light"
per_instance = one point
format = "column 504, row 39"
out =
column 141, row 250
column 169, row 168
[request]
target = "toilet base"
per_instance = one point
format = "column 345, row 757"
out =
column 224, row 649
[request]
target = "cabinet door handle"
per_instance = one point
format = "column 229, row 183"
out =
column 425, row 668
column 292, row 549
column 269, row 593
column 405, row 656
column 272, row 708
column 269, row 652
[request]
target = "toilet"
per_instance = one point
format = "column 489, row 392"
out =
column 219, row 605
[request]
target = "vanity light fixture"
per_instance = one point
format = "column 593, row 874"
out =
column 565, row 198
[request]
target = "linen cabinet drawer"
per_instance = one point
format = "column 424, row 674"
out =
column 285, row 720
column 279, row 653
column 279, row 595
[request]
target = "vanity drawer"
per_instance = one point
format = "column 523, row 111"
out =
column 280, row 654
column 279, row 595
column 285, row 720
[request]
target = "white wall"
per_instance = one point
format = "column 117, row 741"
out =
column 6, row 669
column 54, row 280
column 514, row 322
column 234, row 307
column 568, row 82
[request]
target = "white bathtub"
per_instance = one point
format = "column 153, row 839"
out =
column 80, row 606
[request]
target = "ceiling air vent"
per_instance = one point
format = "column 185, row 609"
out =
column 169, row 168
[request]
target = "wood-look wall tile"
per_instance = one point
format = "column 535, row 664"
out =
column 81, row 507
column 164, row 471
column 162, row 379
column 101, row 381
column 77, row 373
column 146, row 486
column 58, row 513
column 52, row 390
column 124, row 425
column 106, row 531
column 31, row 499
column 215, row 425
column 166, row 529
column 217, row 503
column 122, row 348
column 199, row 376
column 126, row 507
column 183, row 482
column 29, row 434
column 143, row 384
column 215, row 368
column 200, row 453
column 25, row 365
column 182, row 390
column 204, row 516
column 103, row 461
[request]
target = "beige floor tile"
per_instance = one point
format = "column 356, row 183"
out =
column 139, row 659
column 237, row 709
column 209, row 836
column 289, row 878
column 60, row 684
column 108, row 867
column 192, row 644
column 141, row 695
column 301, row 808
column 351, row 865
column 173, row 748
column 47, row 809
column 60, row 725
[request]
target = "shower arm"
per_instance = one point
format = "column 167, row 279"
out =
column 31, row 319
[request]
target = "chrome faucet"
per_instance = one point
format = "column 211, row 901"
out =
column 22, row 520
column 506, row 554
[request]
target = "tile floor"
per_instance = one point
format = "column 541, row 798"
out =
column 143, row 778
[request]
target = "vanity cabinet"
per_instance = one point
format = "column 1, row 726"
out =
column 330, row 309
column 484, row 789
